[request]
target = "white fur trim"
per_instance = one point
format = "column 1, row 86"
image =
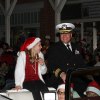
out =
column 62, row 86
column 93, row 89
column 72, row 89
column 75, row 94
column 33, row 43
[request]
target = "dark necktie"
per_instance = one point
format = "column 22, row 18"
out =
column 68, row 47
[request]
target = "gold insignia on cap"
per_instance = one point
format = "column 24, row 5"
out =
column 56, row 72
column 64, row 28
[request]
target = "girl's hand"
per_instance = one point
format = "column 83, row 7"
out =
column 18, row 88
column 41, row 61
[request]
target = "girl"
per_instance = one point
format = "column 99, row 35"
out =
column 30, row 67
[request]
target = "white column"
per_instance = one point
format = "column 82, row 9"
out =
column 57, row 13
column 57, row 6
column 57, row 17
column 94, row 36
column 7, row 22
column 9, row 6
column 57, row 21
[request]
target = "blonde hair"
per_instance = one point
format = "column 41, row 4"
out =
column 33, row 56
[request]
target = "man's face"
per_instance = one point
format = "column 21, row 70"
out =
column 91, row 94
column 61, row 94
column 66, row 37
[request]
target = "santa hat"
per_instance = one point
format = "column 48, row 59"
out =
column 72, row 86
column 74, row 93
column 93, row 87
column 62, row 86
column 29, row 43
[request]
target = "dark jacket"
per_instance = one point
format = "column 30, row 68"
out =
column 60, row 57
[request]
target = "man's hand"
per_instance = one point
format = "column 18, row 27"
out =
column 63, row 76
column 41, row 61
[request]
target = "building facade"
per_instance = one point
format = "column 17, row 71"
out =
column 39, row 18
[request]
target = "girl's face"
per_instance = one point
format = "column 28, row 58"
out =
column 37, row 47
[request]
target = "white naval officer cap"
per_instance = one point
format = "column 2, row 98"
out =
column 65, row 27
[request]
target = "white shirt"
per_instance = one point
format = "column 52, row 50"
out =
column 69, row 45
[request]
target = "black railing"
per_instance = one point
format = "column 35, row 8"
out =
column 75, row 72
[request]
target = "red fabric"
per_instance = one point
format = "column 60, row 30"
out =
column 26, row 43
column 94, row 84
column 31, row 70
column 72, row 85
column 8, row 58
